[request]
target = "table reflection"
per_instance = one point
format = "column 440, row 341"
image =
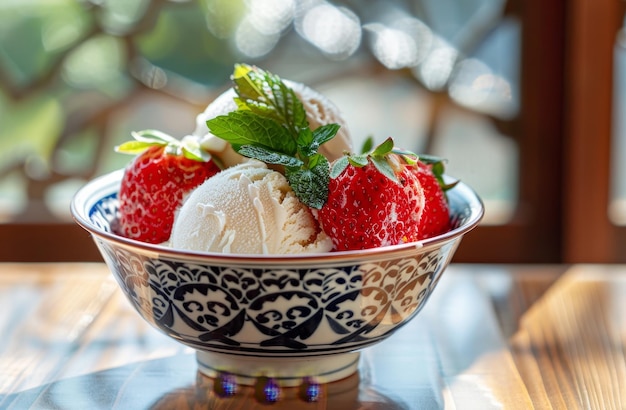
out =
column 171, row 383
column 489, row 338
column 344, row 394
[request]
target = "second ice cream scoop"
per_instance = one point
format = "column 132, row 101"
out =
column 319, row 110
column 247, row 209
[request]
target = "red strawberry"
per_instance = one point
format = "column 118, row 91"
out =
column 435, row 218
column 374, row 200
column 154, row 183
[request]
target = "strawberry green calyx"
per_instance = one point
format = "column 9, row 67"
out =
column 438, row 168
column 188, row 147
column 437, row 164
column 385, row 157
column 270, row 124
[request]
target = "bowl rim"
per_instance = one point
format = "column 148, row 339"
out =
column 107, row 184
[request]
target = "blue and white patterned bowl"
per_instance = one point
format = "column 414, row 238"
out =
column 286, row 317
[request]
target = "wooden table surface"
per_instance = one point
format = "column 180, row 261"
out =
column 491, row 337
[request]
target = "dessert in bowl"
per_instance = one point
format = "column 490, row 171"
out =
column 305, row 312
column 288, row 316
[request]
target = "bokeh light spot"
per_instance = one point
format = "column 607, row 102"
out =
column 335, row 31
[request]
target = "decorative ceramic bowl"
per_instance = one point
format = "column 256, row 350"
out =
column 287, row 317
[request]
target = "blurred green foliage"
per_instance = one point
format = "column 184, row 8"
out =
column 77, row 76
column 34, row 34
column 180, row 43
column 67, row 67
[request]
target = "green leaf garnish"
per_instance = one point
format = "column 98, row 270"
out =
column 312, row 182
column 267, row 95
column 270, row 125
column 269, row 157
column 247, row 128
column 323, row 134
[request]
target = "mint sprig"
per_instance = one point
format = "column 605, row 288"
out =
column 267, row 95
column 270, row 125
column 242, row 128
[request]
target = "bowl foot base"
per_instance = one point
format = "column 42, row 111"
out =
column 286, row 371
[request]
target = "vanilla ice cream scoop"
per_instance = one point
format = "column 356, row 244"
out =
column 319, row 110
column 247, row 209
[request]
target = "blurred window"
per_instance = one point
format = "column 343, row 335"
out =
column 474, row 81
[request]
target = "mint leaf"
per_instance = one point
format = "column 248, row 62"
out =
column 247, row 128
column 265, row 94
column 311, row 185
column 304, row 141
column 318, row 160
column 246, row 87
column 270, row 124
column 321, row 135
column 269, row 157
